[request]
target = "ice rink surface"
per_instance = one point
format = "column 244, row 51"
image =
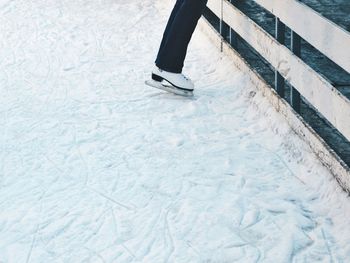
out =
column 97, row 167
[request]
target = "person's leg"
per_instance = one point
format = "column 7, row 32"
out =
column 172, row 54
column 170, row 22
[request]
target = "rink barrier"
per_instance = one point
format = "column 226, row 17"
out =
column 330, row 39
column 242, row 25
column 321, row 94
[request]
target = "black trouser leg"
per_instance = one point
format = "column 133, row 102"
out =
column 177, row 35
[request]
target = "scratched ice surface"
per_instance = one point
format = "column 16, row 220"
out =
column 96, row 167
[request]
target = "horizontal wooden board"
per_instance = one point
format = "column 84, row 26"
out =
column 332, row 40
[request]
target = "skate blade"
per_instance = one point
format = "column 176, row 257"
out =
column 168, row 88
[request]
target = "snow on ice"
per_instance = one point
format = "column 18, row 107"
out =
column 97, row 167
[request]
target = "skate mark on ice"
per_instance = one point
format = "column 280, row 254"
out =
column 111, row 199
column 326, row 239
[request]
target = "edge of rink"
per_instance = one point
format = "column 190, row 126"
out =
column 326, row 155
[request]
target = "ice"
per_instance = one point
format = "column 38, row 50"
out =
column 97, row 167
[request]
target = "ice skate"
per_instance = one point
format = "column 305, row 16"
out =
column 175, row 83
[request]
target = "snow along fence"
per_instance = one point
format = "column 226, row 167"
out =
column 325, row 36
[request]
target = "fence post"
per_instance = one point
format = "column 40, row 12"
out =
column 221, row 26
column 296, row 49
column 280, row 37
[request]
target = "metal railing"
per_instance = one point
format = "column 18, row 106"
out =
column 325, row 36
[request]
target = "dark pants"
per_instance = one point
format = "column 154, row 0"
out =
column 177, row 35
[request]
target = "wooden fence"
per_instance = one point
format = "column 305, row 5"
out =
column 328, row 38
column 325, row 36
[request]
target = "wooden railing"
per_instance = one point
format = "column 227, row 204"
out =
column 327, row 37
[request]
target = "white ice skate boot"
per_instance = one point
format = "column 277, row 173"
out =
column 172, row 82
